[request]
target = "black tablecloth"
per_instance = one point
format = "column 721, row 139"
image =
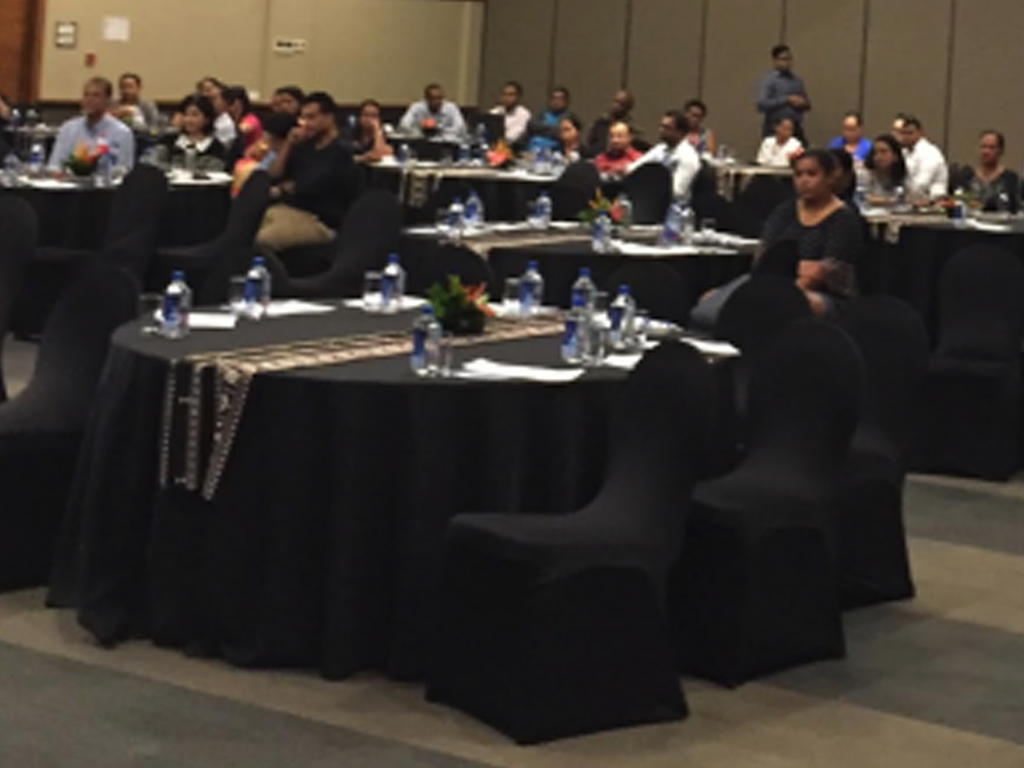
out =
column 561, row 263
column 915, row 268
column 78, row 218
column 322, row 546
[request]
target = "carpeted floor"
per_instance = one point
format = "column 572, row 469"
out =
column 931, row 683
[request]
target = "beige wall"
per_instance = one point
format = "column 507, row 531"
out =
column 948, row 61
column 388, row 49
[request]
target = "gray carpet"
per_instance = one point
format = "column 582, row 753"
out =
column 60, row 714
column 961, row 516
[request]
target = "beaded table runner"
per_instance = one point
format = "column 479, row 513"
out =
column 205, row 395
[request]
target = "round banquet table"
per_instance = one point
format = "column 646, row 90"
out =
column 322, row 545
column 77, row 218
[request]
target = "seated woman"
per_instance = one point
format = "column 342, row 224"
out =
column 197, row 117
column 569, row 131
column 995, row 187
column 886, row 170
column 827, row 234
column 780, row 150
column 238, row 106
column 700, row 136
column 276, row 129
column 368, row 143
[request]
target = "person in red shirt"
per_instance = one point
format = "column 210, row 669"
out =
column 614, row 162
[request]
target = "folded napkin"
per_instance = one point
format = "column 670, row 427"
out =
column 408, row 302
column 212, row 321
column 481, row 368
column 292, row 307
column 712, row 348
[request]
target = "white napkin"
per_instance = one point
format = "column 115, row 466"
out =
column 52, row 184
column 292, row 307
column 481, row 368
column 642, row 249
column 712, row 348
column 408, row 302
column 211, row 321
column 623, row 361
column 983, row 226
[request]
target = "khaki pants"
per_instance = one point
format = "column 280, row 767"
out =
column 285, row 227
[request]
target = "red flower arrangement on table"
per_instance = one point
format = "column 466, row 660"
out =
column 599, row 206
column 460, row 309
column 82, row 161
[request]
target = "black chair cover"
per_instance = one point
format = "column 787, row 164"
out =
column 759, row 200
column 650, row 190
column 755, row 590
column 574, row 190
column 436, row 266
column 19, row 232
column 657, row 288
column 711, row 205
column 971, row 419
column 782, row 259
column 873, row 562
column 553, row 626
column 758, row 311
column 41, row 429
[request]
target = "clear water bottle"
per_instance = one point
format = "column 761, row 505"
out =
column 474, row 211
column 672, row 232
column 958, row 213
column 403, row 155
column 426, row 344
column 177, row 305
column 258, row 287
column 601, row 234
column 625, row 211
column 688, row 221
column 456, row 219
column 576, row 332
column 464, row 152
column 621, row 317
column 481, row 137
column 531, row 291
column 12, row 167
column 36, row 159
column 191, row 159
column 543, row 211
column 584, row 290
column 900, row 197
column 392, row 285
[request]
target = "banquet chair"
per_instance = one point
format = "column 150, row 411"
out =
column 650, row 190
column 370, row 232
column 758, row 311
column 129, row 243
column 972, row 403
column 41, row 428
column 758, row 201
column 17, row 246
column 781, row 259
column 555, row 626
column 574, row 190
column 711, row 205
column 755, row 588
column 209, row 266
column 873, row 562
column 439, row 264
column 657, row 288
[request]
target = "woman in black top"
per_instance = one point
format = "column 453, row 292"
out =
column 995, row 187
column 368, row 143
column 828, row 235
column 197, row 117
column 887, row 170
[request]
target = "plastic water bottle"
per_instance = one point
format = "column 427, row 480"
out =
column 958, row 213
column 688, row 221
column 531, row 291
column 672, row 232
column 426, row 344
column 258, row 284
column 900, row 197
column 601, row 234
column 403, row 155
column 584, row 290
column 464, row 152
column 456, row 219
column 625, row 210
column 101, row 174
column 177, row 305
column 621, row 315
column 474, row 213
column 481, row 137
column 191, row 159
column 36, row 159
column 392, row 285
column 576, row 332
column 543, row 211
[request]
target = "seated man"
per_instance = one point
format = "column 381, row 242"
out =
column 96, row 126
column 674, row 152
column 544, row 130
column 927, row 172
column 131, row 108
column 621, row 111
column 517, row 117
column 314, row 179
column 615, row 161
column 434, row 116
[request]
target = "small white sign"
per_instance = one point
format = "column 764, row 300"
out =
column 117, row 29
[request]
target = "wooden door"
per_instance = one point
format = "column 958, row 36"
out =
column 20, row 22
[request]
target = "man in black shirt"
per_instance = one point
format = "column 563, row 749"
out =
column 315, row 181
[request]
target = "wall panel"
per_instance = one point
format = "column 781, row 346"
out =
column 907, row 63
column 665, row 49
column 517, row 46
column 590, row 53
column 828, row 41
column 740, row 35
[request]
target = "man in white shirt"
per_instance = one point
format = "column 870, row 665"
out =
column 434, row 115
column 517, row 117
column 927, row 172
column 675, row 153
column 96, row 126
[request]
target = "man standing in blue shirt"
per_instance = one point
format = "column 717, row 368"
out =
column 782, row 94
column 95, row 126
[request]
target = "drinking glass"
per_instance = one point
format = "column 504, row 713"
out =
column 510, row 300
column 441, row 222
column 373, row 300
column 149, row 305
column 236, row 295
column 446, row 355
column 641, row 324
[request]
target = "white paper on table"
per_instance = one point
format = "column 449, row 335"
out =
column 509, row 226
column 482, row 368
column 566, row 225
column 642, row 249
column 983, row 226
column 624, row 361
column 712, row 348
column 408, row 302
column 52, row 184
column 293, row 307
column 211, row 321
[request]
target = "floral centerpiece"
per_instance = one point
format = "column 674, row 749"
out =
column 460, row 309
column 82, row 161
column 599, row 206
column 969, row 199
column 429, row 126
column 500, row 155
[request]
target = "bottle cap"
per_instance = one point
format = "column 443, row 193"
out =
column 531, row 266
column 178, row 274
column 623, row 290
column 258, row 261
column 427, row 310
column 393, row 258
column 584, row 271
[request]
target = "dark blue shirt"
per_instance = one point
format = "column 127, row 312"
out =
column 772, row 92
